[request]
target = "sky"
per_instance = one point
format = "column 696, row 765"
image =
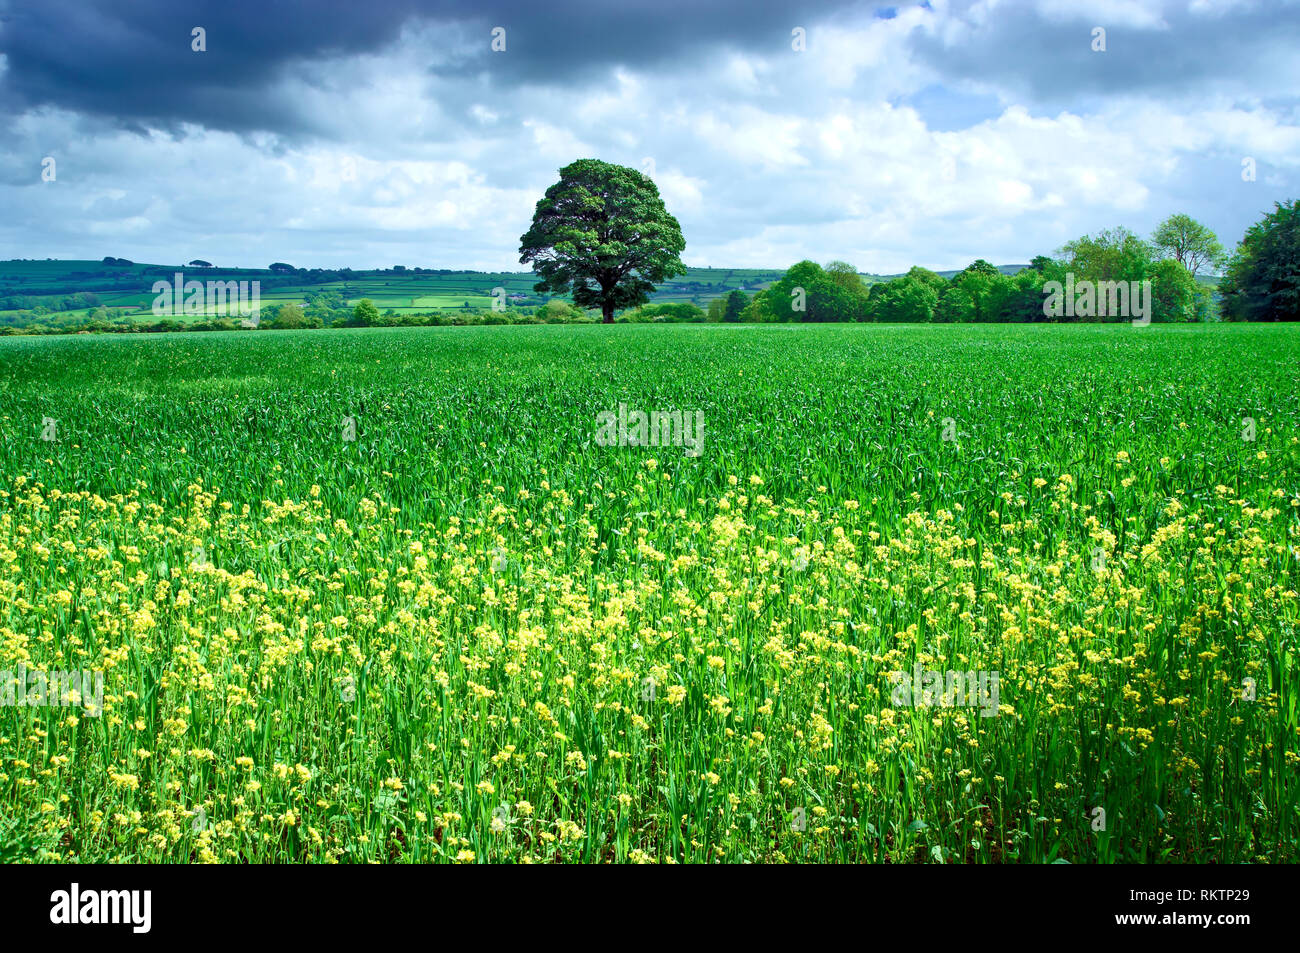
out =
column 331, row 133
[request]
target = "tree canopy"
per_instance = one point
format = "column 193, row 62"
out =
column 602, row 235
column 1263, row 278
column 1189, row 243
column 1115, row 254
column 735, row 306
column 365, row 313
column 807, row 292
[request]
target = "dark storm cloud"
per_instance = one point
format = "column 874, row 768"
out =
column 368, row 133
column 1046, row 57
column 133, row 61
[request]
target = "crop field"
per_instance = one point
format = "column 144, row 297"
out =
column 389, row 596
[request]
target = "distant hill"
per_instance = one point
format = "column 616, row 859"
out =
column 122, row 284
column 27, row 285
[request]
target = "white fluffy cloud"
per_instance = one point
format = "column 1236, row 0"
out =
column 864, row 147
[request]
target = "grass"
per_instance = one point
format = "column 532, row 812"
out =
column 474, row 634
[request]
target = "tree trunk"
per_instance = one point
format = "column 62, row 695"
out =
column 607, row 309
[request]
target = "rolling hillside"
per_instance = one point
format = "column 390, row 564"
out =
column 128, row 285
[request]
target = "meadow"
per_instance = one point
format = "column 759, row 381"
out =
column 379, row 595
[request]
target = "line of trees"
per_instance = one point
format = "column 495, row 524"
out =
column 292, row 316
column 46, row 304
column 1261, row 283
column 602, row 235
column 982, row 293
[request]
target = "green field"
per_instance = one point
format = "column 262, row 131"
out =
column 473, row 633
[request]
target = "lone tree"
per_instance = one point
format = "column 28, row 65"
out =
column 1189, row 243
column 602, row 234
column 365, row 314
